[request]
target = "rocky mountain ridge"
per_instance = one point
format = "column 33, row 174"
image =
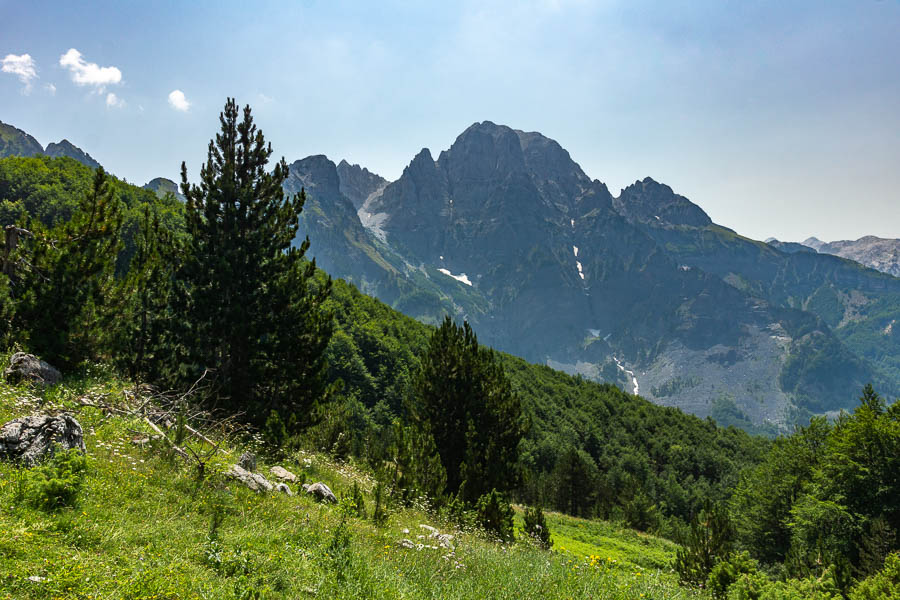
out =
column 642, row 289
column 15, row 142
column 878, row 253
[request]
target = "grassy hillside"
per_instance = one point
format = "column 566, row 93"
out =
column 147, row 526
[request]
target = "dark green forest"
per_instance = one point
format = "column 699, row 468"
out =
column 219, row 292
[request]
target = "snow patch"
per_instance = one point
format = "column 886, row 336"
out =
column 572, row 221
column 462, row 278
column 575, row 250
column 594, row 332
column 634, row 380
column 580, row 272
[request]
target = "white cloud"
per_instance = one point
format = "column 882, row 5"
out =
column 85, row 73
column 178, row 101
column 51, row 89
column 22, row 66
column 113, row 101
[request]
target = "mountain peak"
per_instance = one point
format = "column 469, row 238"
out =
column 15, row 142
column 813, row 242
column 161, row 186
column 66, row 148
column 317, row 174
column 648, row 201
column 359, row 183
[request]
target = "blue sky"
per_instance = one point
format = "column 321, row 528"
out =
column 778, row 118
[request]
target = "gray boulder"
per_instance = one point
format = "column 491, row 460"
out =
column 248, row 461
column 28, row 367
column 321, row 491
column 283, row 474
column 284, row 489
column 254, row 481
column 30, row 439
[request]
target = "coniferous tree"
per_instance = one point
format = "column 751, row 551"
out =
column 249, row 305
column 536, row 527
column 464, row 397
column 141, row 337
column 65, row 277
column 709, row 541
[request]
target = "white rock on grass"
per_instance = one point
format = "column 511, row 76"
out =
column 321, row 491
column 283, row 474
column 254, row 481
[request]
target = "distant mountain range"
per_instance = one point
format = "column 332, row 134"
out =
column 879, row 253
column 15, row 142
column 641, row 289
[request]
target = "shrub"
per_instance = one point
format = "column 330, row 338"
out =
column 354, row 504
column 883, row 585
column 338, row 550
column 495, row 515
column 755, row 586
column 379, row 512
column 727, row 571
column 708, row 541
column 536, row 527
column 56, row 483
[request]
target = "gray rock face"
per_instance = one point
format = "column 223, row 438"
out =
column 247, row 461
column 656, row 203
column 28, row 367
column 254, row 481
column 29, row 439
column 341, row 243
column 358, row 183
column 283, row 474
column 321, row 491
column 877, row 253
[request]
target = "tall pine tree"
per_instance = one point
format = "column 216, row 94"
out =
column 462, row 395
column 63, row 278
column 250, row 305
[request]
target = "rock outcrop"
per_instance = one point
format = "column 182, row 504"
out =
column 254, row 481
column 321, row 491
column 358, row 183
column 283, row 474
column 29, row 439
column 28, row 367
column 247, row 461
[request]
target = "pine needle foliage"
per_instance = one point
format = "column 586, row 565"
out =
column 64, row 278
column 464, row 398
column 249, row 304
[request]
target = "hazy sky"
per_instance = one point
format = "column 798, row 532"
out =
column 778, row 118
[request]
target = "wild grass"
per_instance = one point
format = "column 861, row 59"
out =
column 145, row 526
